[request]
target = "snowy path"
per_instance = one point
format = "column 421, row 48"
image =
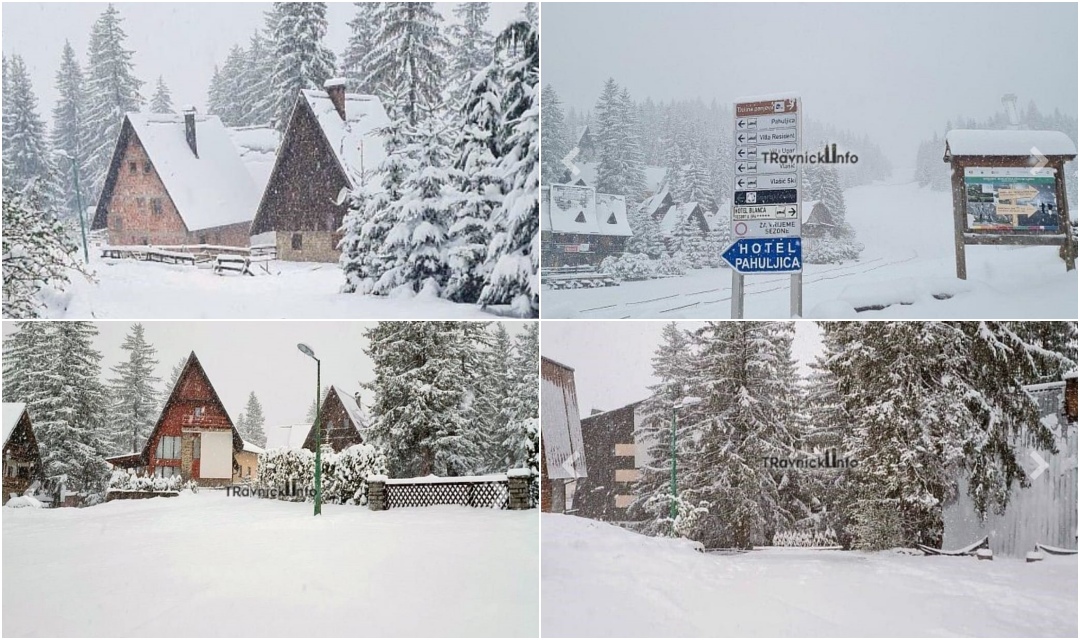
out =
column 210, row 565
column 599, row 580
column 128, row 289
column 908, row 258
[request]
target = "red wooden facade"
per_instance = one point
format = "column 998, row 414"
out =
column 22, row 459
column 175, row 445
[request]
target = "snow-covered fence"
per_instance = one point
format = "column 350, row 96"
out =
column 496, row 491
column 125, row 484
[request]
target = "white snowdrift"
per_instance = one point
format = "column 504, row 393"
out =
column 599, row 580
column 209, row 565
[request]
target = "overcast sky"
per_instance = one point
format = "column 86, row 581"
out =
column 612, row 360
column 241, row 357
column 895, row 71
column 180, row 41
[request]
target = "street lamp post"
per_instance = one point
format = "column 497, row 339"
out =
column 78, row 202
column 687, row 401
column 306, row 350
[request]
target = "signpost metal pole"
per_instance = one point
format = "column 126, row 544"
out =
column 736, row 295
column 796, row 295
column 306, row 350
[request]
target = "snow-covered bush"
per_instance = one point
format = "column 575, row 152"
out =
column 289, row 474
column 19, row 502
column 806, row 538
column 128, row 480
column 827, row 249
column 638, row 266
column 345, row 473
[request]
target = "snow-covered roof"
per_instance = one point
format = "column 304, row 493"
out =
column 1008, row 142
column 572, row 209
column 676, row 216
column 364, row 116
column 611, row 217
column 356, row 414
column 252, row 448
column 258, row 148
column 210, row 190
column 288, row 436
column 560, row 428
column 650, row 206
column 12, row 411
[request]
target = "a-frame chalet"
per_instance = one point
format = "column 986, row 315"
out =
column 194, row 436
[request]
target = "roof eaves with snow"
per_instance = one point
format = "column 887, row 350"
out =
column 356, row 141
column 356, row 415
column 1008, row 142
column 12, row 413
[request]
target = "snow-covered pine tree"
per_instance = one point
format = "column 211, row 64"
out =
column 26, row 145
column 174, row 376
column 486, row 363
column 610, row 141
column 471, row 46
column 254, row 422
column 134, row 393
column 161, row 101
column 371, row 215
column 416, row 241
column 633, row 158
column 37, row 251
column 256, row 100
column 225, row 98
column 362, row 31
column 68, row 402
column 698, row 186
column 67, row 122
column 408, row 57
column 521, row 439
column 532, row 14
column 301, row 61
column 554, row 142
column 513, row 259
column 476, row 185
column 672, row 366
column 112, row 90
column 24, row 353
column 746, row 374
column 419, row 388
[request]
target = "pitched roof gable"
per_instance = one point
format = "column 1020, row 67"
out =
column 210, row 190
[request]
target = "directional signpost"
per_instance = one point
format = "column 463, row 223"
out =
column 766, row 216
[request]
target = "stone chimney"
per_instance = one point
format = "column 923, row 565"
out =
column 189, row 129
column 335, row 88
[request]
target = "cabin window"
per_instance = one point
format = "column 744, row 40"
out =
column 166, row 472
column 199, row 411
column 196, row 447
column 612, row 220
column 580, row 217
column 168, row 448
column 202, row 239
column 297, row 241
column 133, row 167
column 119, row 223
column 147, row 167
column 155, row 205
column 248, row 472
column 140, row 203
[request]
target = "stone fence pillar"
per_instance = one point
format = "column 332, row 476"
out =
column 518, row 481
column 376, row 493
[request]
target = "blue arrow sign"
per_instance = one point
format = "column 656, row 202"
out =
column 765, row 255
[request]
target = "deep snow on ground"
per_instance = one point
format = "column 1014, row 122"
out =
column 908, row 257
column 211, row 565
column 599, row 580
column 134, row 289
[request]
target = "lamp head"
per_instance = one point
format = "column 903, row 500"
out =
column 306, row 350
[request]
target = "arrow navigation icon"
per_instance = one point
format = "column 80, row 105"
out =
column 568, row 161
column 1041, row 160
column 1041, row 465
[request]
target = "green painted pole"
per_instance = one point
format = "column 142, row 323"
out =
column 82, row 212
column 318, row 437
column 674, row 481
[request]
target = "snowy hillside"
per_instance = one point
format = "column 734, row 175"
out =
column 251, row 567
column 599, row 580
column 907, row 260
